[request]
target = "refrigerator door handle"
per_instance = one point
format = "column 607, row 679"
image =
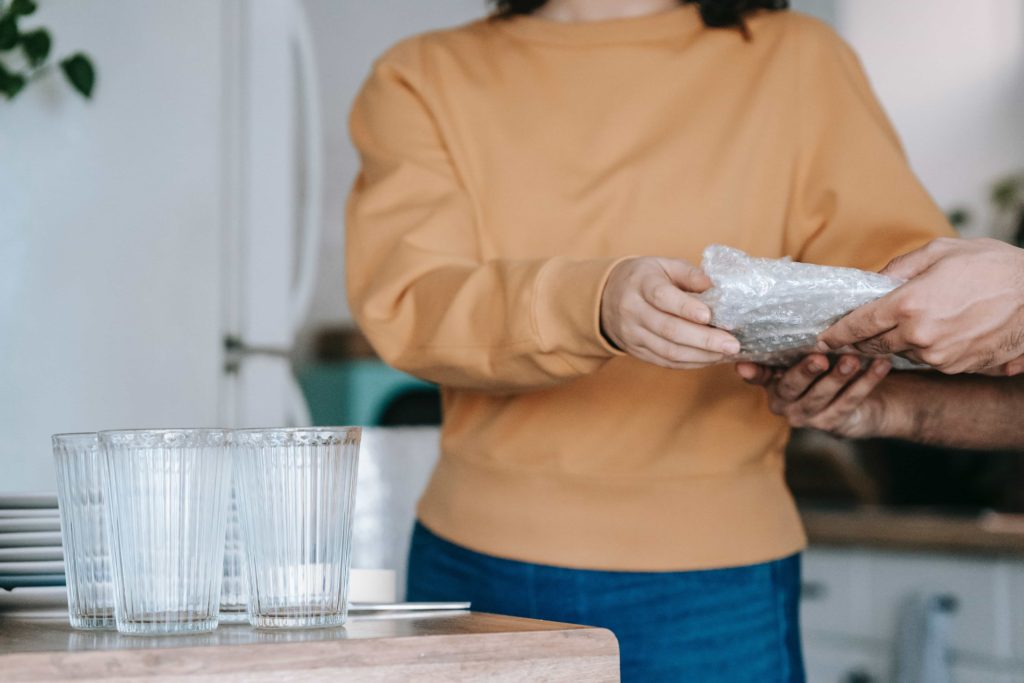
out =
column 236, row 350
column 312, row 223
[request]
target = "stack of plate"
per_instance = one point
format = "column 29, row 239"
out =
column 31, row 559
column 30, row 551
column 32, row 566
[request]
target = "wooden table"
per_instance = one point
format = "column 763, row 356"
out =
column 462, row 646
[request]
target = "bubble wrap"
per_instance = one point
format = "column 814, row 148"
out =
column 777, row 307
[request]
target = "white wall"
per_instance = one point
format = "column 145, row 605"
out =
column 349, row 35
column 110, row 262
column 826, row 10
column 951, row 75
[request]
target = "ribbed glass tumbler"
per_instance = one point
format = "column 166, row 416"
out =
column 168, row 501
column 233, row 593
column 83, row 527
column 296, row 492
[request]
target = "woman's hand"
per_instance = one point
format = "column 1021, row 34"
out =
column 842, row 400
column 648, row 310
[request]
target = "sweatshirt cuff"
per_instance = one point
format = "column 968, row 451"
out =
column 567, row 307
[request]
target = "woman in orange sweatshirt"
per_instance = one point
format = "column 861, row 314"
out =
column 534, row 189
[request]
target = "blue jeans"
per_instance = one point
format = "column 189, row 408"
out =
column 712, row 626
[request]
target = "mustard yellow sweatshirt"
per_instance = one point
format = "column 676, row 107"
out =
column 507, row 166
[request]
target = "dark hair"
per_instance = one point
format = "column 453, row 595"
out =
column 715, row 13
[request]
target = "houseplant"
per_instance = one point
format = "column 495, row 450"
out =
column 24, row 53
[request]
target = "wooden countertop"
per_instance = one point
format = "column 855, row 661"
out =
column 465, row 646
column 991, row 533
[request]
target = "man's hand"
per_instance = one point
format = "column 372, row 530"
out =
column 842, row 400
column 649, row 311
column 961, row 311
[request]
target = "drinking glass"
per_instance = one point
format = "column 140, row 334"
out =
column 296, row 489
column 168, row 503
column 83, row 530
column 233, row 593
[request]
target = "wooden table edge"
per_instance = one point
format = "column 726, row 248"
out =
column 592, row 649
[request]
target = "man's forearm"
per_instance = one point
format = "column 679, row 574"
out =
column 967, row 411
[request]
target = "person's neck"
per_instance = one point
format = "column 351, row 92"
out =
column 598, row 10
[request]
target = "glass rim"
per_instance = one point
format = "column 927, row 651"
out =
column 291, row 436
column 296, row 430
column 73, row 436
column 174, row 438
column 167, row 430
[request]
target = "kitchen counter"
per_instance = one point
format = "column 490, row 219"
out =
column 990, row 533
column 460, row 646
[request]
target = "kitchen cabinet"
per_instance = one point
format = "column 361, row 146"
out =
column 967, row 674
column 836, row 663
column 835, row 592
column 1016, row 610
column 854, row 598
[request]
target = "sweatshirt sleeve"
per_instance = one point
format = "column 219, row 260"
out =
column 417, row 285
column 856, row 200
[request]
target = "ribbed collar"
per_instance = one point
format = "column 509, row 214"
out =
column 675, row 22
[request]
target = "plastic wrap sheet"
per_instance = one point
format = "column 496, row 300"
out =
column 777, row 307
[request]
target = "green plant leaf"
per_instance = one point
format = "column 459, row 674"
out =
column 1004, row 192
column 5, row 78
column 959, row 217
column 23, row 7
column 36, row 45
column 17, row 83
column 10, row 83
column 8, row 32
column 80, row 72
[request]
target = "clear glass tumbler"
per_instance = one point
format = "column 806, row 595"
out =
column 168, row 503
column 296, row 490
column 233, row 594
column 83, row 526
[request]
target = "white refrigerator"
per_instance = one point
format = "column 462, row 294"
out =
column 157, row 243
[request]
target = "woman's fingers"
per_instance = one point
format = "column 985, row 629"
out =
column 647, row 312
column 685, row 275
column 676, row 355
column 668, row 298
column 754, row 373
column 685, row 333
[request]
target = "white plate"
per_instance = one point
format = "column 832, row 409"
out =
column 26, row 568
column 33, row 598
column 29, row 538
column 34, row 524
column 407, row 606
column 46, row 614
column 32, row 554
column 35, row 499
column 392, row 616
column 45, row 513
